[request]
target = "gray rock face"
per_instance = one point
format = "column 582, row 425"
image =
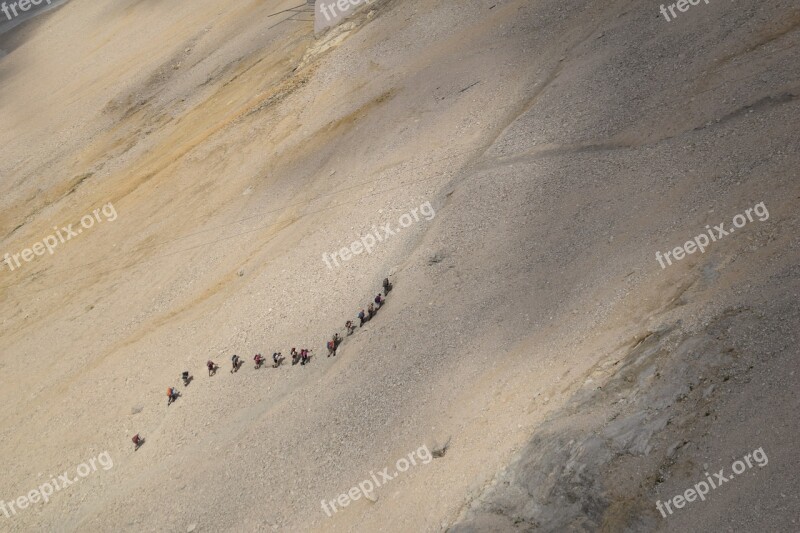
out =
column 597, row 464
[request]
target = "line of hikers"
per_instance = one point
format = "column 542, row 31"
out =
column 303, row 356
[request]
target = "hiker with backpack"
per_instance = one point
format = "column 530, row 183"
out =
column 137, row 442
column 295, row 356
column 350, row 327
column 387, row 286
column 235, row 363
column 361, row 317
column 333, row 344
column 304, row 356
column 172, row 395
column 379, row 300
column 212, row 368
column 259, row 360
column 370, row 311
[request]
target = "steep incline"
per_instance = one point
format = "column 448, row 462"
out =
column 559, row 145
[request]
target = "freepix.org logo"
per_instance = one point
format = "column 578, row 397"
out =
column 49, row 243
column 47, row 489
column 23, row 5
column 329, row 13
column 368, row 242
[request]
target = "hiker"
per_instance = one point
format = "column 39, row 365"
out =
column 304, row 356
column 295, row 356
column 379, row 300
column 186, row 378
column 361, row 317
column 277, row 358
column 370, row 311
column 137, row 442
column 259, row 360
column 350, row 327
column 172, row 395
column 212, row 368
column 337, row 340
column 235, row 364
column 387, row 286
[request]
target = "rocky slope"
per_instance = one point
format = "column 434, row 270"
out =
column 560, row 145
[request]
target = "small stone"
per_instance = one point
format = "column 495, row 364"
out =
column 191, row 528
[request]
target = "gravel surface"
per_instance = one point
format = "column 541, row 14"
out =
column 563, row 378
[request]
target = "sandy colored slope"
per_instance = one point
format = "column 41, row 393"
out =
column 561, row 145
